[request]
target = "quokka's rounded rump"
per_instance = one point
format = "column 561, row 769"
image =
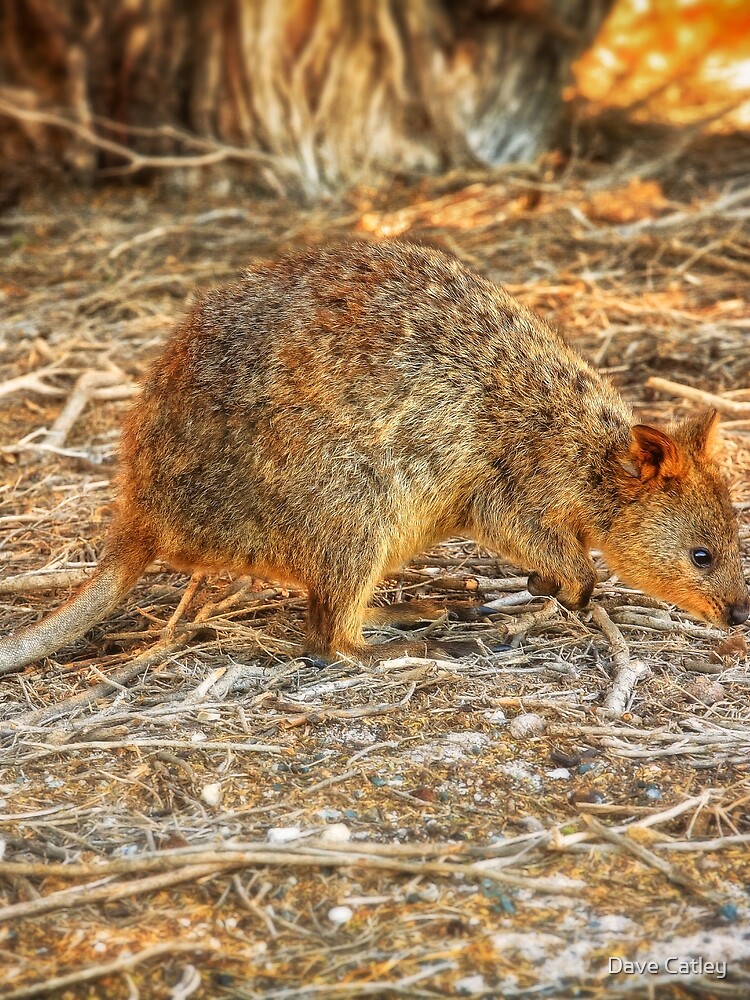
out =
column 332, row 413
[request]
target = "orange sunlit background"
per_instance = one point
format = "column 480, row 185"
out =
column 681, row 60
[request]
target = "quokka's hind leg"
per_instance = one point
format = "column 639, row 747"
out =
column 334, row 623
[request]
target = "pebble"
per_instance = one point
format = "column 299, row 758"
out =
column 470, row 985
column 729, row 912
column 211, row 794
column 340, row 914
column 328, row 815
column 592, row 796
column 706, row 690
column 429, row 893
column 559, row 774
column 283, row 834
column 497, row 717
column 652, row 792
column 335, row 833
column 527, row 726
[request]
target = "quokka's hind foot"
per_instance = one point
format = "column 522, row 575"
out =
column 373, row 653
column 432, row 649
column 409, row 615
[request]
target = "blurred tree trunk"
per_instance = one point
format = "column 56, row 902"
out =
column 335, row 91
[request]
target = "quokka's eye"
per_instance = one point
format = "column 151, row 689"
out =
column 701, row 557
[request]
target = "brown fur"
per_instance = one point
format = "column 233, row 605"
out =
column 331, row 414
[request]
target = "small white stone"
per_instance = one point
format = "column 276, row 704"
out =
column 429, row 893
column 525, row 726
column 471, row 984
column 497, row 717
column 336, row 833
column 211, row 794
column 340, row 914
column 283, row 834
column 559, row 774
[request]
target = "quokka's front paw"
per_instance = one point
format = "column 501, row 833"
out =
column 573, row 596
column 539, row 586
column 577, row 597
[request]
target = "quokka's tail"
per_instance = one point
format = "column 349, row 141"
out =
column 98, row 597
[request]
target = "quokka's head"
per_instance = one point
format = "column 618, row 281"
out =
column 675, row 533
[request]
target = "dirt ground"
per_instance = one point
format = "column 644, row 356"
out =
column 224, row 820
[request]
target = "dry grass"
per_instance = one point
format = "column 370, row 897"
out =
column 142, row 770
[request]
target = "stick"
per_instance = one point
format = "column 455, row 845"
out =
column 209, row 862
column 118, row 677
column 559, row 842
column 627, row 672
column 23, row 583
column 647, row 857
column 120, row 964
column 42, row 579
column 721, row 403
column 137, row 742
column 85, row 386
column 35, row 382
column 137, row 161
column 190, row 591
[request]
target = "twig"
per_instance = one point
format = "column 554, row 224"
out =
column 737, row 409
column 217, row 215
column 189, row 593
column 122, row 676
column 24, row 583
column 97, row 893
column 379, row 988
column 647, row 857
column 710, row 210
column 47, row 750
column 559, row 842
column 175, row 867
column 716, row 844
column 120, row 964
column 667, row 625
column 82, row 392
column 34, row 381
column 138, row 161
column 627, row 672
column 527, row 621
column 43, row 579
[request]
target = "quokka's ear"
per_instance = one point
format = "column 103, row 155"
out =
column 700, row 434
column 653, row 454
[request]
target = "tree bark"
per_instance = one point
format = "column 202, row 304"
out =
column 332, row 91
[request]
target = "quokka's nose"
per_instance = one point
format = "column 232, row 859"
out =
column 738, row 613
